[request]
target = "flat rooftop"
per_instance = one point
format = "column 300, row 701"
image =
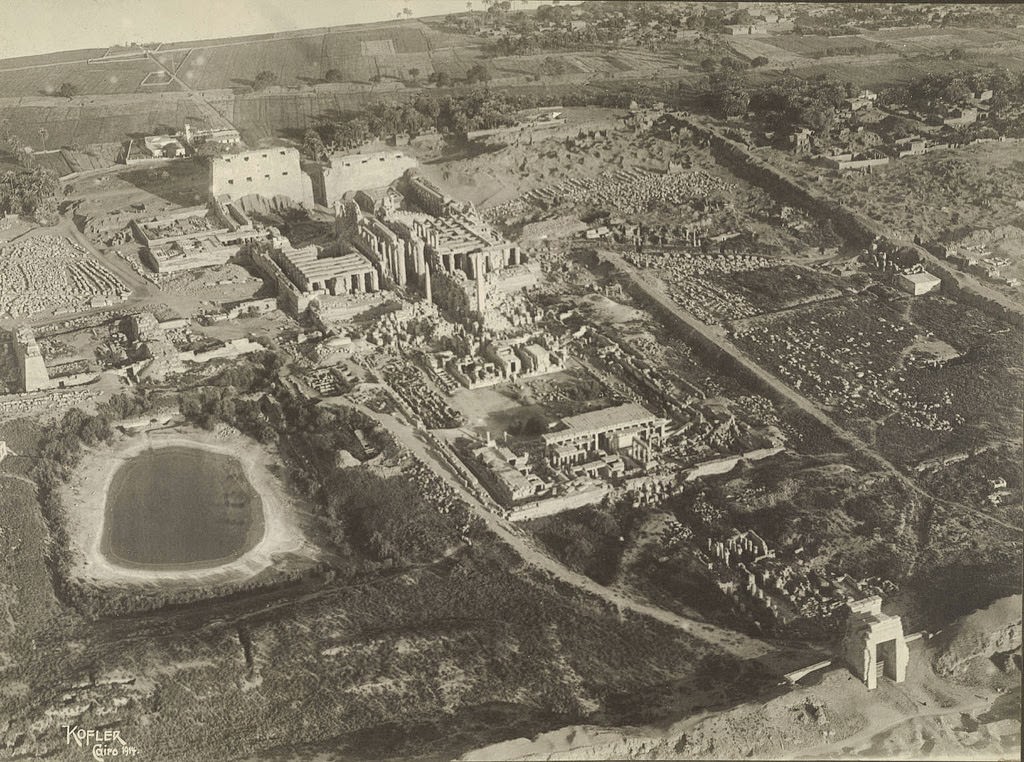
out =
column 316, row 268
column 463, row 230
column 921, row 278
column 606, row 418
column 512, row 477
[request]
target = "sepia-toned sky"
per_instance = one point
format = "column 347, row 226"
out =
column 28, row 27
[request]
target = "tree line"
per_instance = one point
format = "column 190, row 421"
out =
column 59, row 452
column 784, row 104
column 457, row 115
column 957, row 87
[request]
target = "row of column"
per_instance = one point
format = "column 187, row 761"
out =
column 355, row 283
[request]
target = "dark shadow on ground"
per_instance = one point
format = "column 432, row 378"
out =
column 464, row 149
column 185, row 182
column 292, row 133
column 472, row 727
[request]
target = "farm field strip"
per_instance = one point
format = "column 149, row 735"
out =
column 211, row 64
column 753, row 48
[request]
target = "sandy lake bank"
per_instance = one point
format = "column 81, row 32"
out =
column 85, row 500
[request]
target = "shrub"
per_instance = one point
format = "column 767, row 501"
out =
column 264, row 79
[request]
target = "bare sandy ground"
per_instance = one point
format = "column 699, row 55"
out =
column 85, row 498
column 833, row 717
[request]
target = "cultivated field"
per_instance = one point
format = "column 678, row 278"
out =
column 94, row 79
column 929, row 40
column 752, row 47
column 814, row 46
column 302, row 57
column 391, row 52
column 86, row 121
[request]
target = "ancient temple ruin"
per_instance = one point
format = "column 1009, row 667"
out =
column 874, row 645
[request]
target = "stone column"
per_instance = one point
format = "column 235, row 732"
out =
column 400, row 276
column 481, row 298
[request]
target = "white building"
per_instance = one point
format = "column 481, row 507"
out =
column 164, row 147
column 917, row 284
column 628, row 429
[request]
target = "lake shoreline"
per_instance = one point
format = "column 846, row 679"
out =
column 201, row 518
column 85, row 500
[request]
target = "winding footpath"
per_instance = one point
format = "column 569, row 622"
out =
column 731, row 642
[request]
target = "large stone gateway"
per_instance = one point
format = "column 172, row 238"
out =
column 267, row 172
column 874, row 644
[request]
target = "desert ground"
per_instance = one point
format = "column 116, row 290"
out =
column 956, row 703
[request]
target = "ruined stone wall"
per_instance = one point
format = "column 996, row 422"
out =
column 453, row 292
column 31, row 368
column 552, row 505
column 354, row 172
column 289, row 298
column 267, row 172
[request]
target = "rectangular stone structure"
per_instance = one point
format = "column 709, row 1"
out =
column 266, row 172
column 875, row 639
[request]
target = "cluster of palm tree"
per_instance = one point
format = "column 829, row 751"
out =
column 28, row 192
column 479, row 109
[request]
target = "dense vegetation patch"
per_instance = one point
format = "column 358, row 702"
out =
column 588, row 540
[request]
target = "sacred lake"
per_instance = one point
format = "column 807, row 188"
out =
column 180, row 507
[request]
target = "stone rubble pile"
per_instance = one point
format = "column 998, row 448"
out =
column 631, row 191
column 707, row 301
column 53, row 273
column 848, row 373
column 20, row 405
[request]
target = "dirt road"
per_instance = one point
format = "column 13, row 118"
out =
column 734, row 643
column 884, row 724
